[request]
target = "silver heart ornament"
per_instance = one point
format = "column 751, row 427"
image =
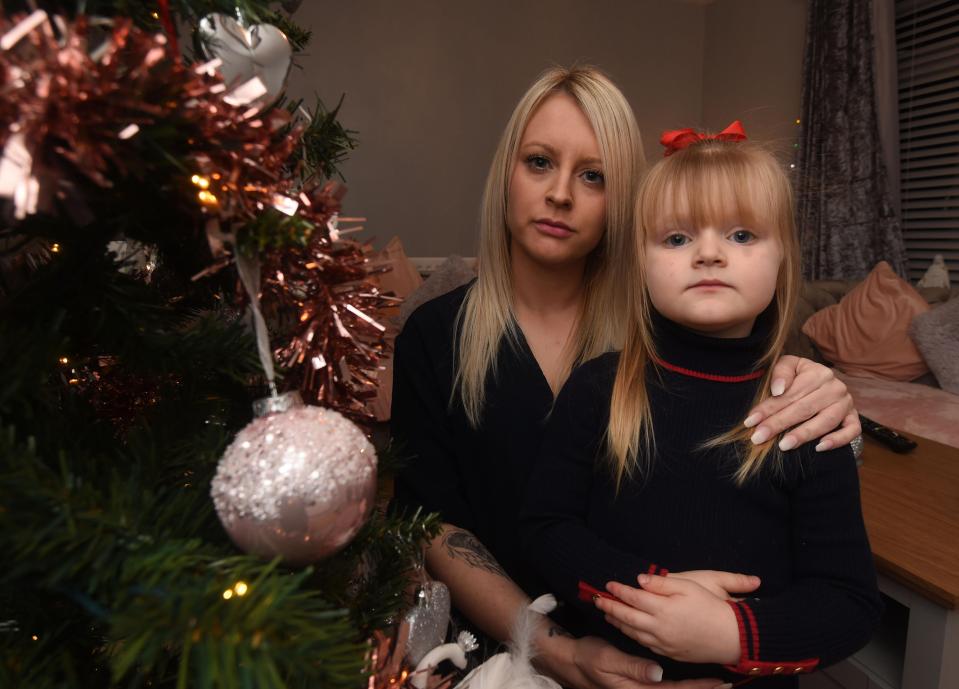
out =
column 428, row 619
column 260, row 50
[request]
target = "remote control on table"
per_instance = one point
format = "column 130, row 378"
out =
column 887, row 436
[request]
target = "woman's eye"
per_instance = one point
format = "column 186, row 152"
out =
column 537, row 162
column 742, row 236
column 677, row 240
column 594, row 177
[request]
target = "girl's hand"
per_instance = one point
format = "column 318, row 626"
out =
column 721, row 584
column 674, row 617
column 809, row 397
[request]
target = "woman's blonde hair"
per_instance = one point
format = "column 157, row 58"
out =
column 486, row 316
column 707, row 183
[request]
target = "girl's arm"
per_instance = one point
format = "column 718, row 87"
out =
column 827, row 614
column 810, row 400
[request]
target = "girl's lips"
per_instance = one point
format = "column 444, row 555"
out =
column 553, row 230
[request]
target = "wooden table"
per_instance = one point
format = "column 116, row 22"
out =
column 911, row 506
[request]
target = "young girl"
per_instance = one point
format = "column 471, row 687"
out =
column 653, row 436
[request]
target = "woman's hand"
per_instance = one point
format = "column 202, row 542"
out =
column 723, row 585
column 591, row 663
column 674, row 617
column 810, row 400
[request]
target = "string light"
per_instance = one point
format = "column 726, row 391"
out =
column 55, row 248
column 207, row 198
column 201, row 181
column 238, row 589
column 63, row 360
column 35, row 637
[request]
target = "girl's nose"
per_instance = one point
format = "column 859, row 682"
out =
column 709, row 250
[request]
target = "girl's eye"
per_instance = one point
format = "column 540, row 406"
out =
column 537, row 162
column 742, row 236
column 677, row 239
column 593, row 177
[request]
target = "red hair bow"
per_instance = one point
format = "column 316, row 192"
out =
column 677, row 139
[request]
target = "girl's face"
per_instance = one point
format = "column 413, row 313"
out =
column 715, row 279
column 557, row 200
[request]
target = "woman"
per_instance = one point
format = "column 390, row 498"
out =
column 476, row 370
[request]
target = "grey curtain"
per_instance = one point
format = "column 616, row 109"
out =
column 846, row 217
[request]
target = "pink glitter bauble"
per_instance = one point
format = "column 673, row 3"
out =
column 297, row 483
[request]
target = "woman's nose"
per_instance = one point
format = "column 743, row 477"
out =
column 560, row 192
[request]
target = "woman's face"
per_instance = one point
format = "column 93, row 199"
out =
column 557, row 198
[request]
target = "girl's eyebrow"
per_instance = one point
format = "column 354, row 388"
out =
column 552, row 151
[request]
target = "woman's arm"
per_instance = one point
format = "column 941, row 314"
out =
column 810, row 400
column 483, row 592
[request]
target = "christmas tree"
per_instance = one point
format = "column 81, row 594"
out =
column 157, row 188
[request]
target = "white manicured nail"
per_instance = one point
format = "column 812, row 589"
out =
column 778, row 387
column 787, row 443
column 655, row 674
column 824, row 445
column 760, row 436
column 752, row 420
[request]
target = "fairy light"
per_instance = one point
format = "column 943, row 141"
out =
column 798, row 121
column 55, row 248
column 35, row 637
column 63, row 360
column 228, row 594
column 241, row 588
column 207, row 198
column 201, row 181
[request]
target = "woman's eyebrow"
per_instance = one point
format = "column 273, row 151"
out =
column 592, row 160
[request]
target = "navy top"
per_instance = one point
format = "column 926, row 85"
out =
column 798, row 525
column 475, row 478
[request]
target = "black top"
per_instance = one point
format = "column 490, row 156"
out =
column 800, row 529
column 474, row 478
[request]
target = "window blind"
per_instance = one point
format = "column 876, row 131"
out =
column 927, row 53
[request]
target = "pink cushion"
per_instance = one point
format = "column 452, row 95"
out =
column 867, row 332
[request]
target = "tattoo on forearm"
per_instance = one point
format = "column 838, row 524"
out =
column 556, row 630
column 463, row 545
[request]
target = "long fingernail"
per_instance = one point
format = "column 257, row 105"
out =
column 752, row 420
column 643, row 579
column 760, row 436
column 778, row 387
column 824, row 445
column 788, row 443
column 655, row 674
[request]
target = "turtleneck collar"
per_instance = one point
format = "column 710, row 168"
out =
column 713, row 358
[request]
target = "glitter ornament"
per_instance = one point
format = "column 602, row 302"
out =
column 428, row 620
column 245, row 52
column 299, row 482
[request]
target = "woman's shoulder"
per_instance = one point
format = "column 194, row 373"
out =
column 439, row 314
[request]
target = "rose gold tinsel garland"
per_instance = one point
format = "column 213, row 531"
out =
column 75, row 97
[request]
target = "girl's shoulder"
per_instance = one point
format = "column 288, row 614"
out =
column 594, row 377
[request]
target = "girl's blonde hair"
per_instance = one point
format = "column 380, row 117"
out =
column 486, row 316
column 707, row 183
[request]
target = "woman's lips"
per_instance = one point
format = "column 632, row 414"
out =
column 553, row 230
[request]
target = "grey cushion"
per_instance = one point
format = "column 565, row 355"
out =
column 936, row 334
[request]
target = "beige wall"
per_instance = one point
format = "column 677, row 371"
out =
column 753, row 67
column 429, row 85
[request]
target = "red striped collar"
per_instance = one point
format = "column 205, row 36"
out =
column 710, row 376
